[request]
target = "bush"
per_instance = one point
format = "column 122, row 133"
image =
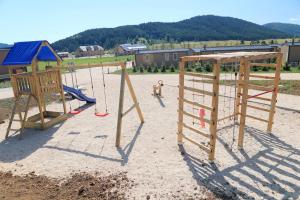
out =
column 155, row 69
column 141, row 69
column 134, row 70
column 265, row 69
column 287, row 67
column 172, row 69
column 255, row 69
column 149, row 69
column 199, row 69
column 208, row 68
column 163, row 69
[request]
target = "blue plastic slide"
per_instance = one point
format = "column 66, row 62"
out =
column 77, row 94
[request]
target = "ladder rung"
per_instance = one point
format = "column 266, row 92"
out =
column 261, row 76
column 263, row 64
column 196, row 117
column 197, row 144
column 196, row 104
column 198, row 91
column 200, row 75
column 195, row 130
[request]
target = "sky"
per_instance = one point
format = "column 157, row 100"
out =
column 52, row 20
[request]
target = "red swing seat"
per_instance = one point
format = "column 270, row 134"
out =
column 101, row 114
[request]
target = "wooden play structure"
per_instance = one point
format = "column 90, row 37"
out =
column 235, row 93
column 36, row 85
column 157, row 89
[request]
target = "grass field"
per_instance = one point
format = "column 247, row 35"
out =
column 163, row 45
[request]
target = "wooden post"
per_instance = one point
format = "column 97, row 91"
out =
column 214, row 112
column 121, row 103
column 61, row 87
column 25, row 115
column 181, row 97
column 246, row 72
column 133, row 96
column 275, row 92
column 239, row 90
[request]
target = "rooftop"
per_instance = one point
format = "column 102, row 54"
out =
column 133, row 47
column 233, row 48
column 163, row 51
column 91, row 48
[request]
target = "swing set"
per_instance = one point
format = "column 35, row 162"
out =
column 38, row 84
column 220, row 98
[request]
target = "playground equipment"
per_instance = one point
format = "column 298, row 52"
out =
column 157, row 88
column 233, row 87
column 35, row 85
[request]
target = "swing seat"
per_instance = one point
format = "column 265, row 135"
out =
column 101, row 114
column 75, row 112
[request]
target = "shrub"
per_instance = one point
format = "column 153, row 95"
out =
column 172, row 69
column 208, row 68
column 265, row 69
column 134, row 70
column 255, row 69
column 141, row 69
column 199, row 69
column 287, row 67
column 163, row 69
column 149, row 69
column 155, row 69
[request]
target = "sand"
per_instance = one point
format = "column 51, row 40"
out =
column 268, row 167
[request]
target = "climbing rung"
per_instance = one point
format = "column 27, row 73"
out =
column 200, row 75
column 197, row 144
column 198, row 91
column 195, row 130
column 258, row 87
column 130, row 109
column 196, row 104
column 261, row 76
column 263, row 64
column 257, row 118
column 195, row 117
column 260, row 98
column 257, row 108
column 227, row 117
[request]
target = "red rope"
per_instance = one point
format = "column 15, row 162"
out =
column 266, row 92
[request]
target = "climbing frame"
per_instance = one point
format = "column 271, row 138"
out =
column 220, row 95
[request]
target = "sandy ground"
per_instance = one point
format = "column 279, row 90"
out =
column 268, row 167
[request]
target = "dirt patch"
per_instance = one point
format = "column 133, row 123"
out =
column 78, row 186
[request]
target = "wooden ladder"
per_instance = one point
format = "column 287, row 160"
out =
column 22, row 120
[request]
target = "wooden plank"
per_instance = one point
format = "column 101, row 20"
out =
column 261, row 76
column 196, row 104
column 227, row 117
column 197, row 144
column 257, row 118
column 260, row 98
column 133, row 97
column 258, row 108
column 275, row 92
column 258, row 87
column 55, row 121
column 130, row 109
column 195, row 130
column 214, row 112
column 180, row 102
column 263, row 64
column 120, row 110
column 196, row 117
column 201, row 75
column 198, row 91
column 246, row 72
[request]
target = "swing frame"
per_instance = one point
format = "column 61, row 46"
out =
column 246, row 60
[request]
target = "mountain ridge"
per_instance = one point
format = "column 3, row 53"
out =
column 199, row 28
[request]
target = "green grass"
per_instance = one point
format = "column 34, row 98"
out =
column 163, row 45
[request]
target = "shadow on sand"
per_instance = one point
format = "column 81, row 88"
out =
column 264, row 174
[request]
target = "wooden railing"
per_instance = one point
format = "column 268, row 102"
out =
column 49, row 81
column 23, row 84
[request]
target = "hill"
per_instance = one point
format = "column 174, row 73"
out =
column 2, row 45
column 200, row 28
column 291, row 29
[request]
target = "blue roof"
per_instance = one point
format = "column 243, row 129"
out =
column 22, row 53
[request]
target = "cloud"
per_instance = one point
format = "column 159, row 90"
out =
column 294, row 19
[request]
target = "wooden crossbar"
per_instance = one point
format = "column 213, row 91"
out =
column 130, row 109
column 195, row 130
column 195, row 117
column 223, row 118
column 258, row 108
column 196, row 143
column 257, row 118
column 198, row 91
column 258, row 87
column 196, row 104
column 257, row 97
column 263, row 64
column 261, row 76
column 200, row 75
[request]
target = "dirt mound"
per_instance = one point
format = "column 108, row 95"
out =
column 78, row 186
